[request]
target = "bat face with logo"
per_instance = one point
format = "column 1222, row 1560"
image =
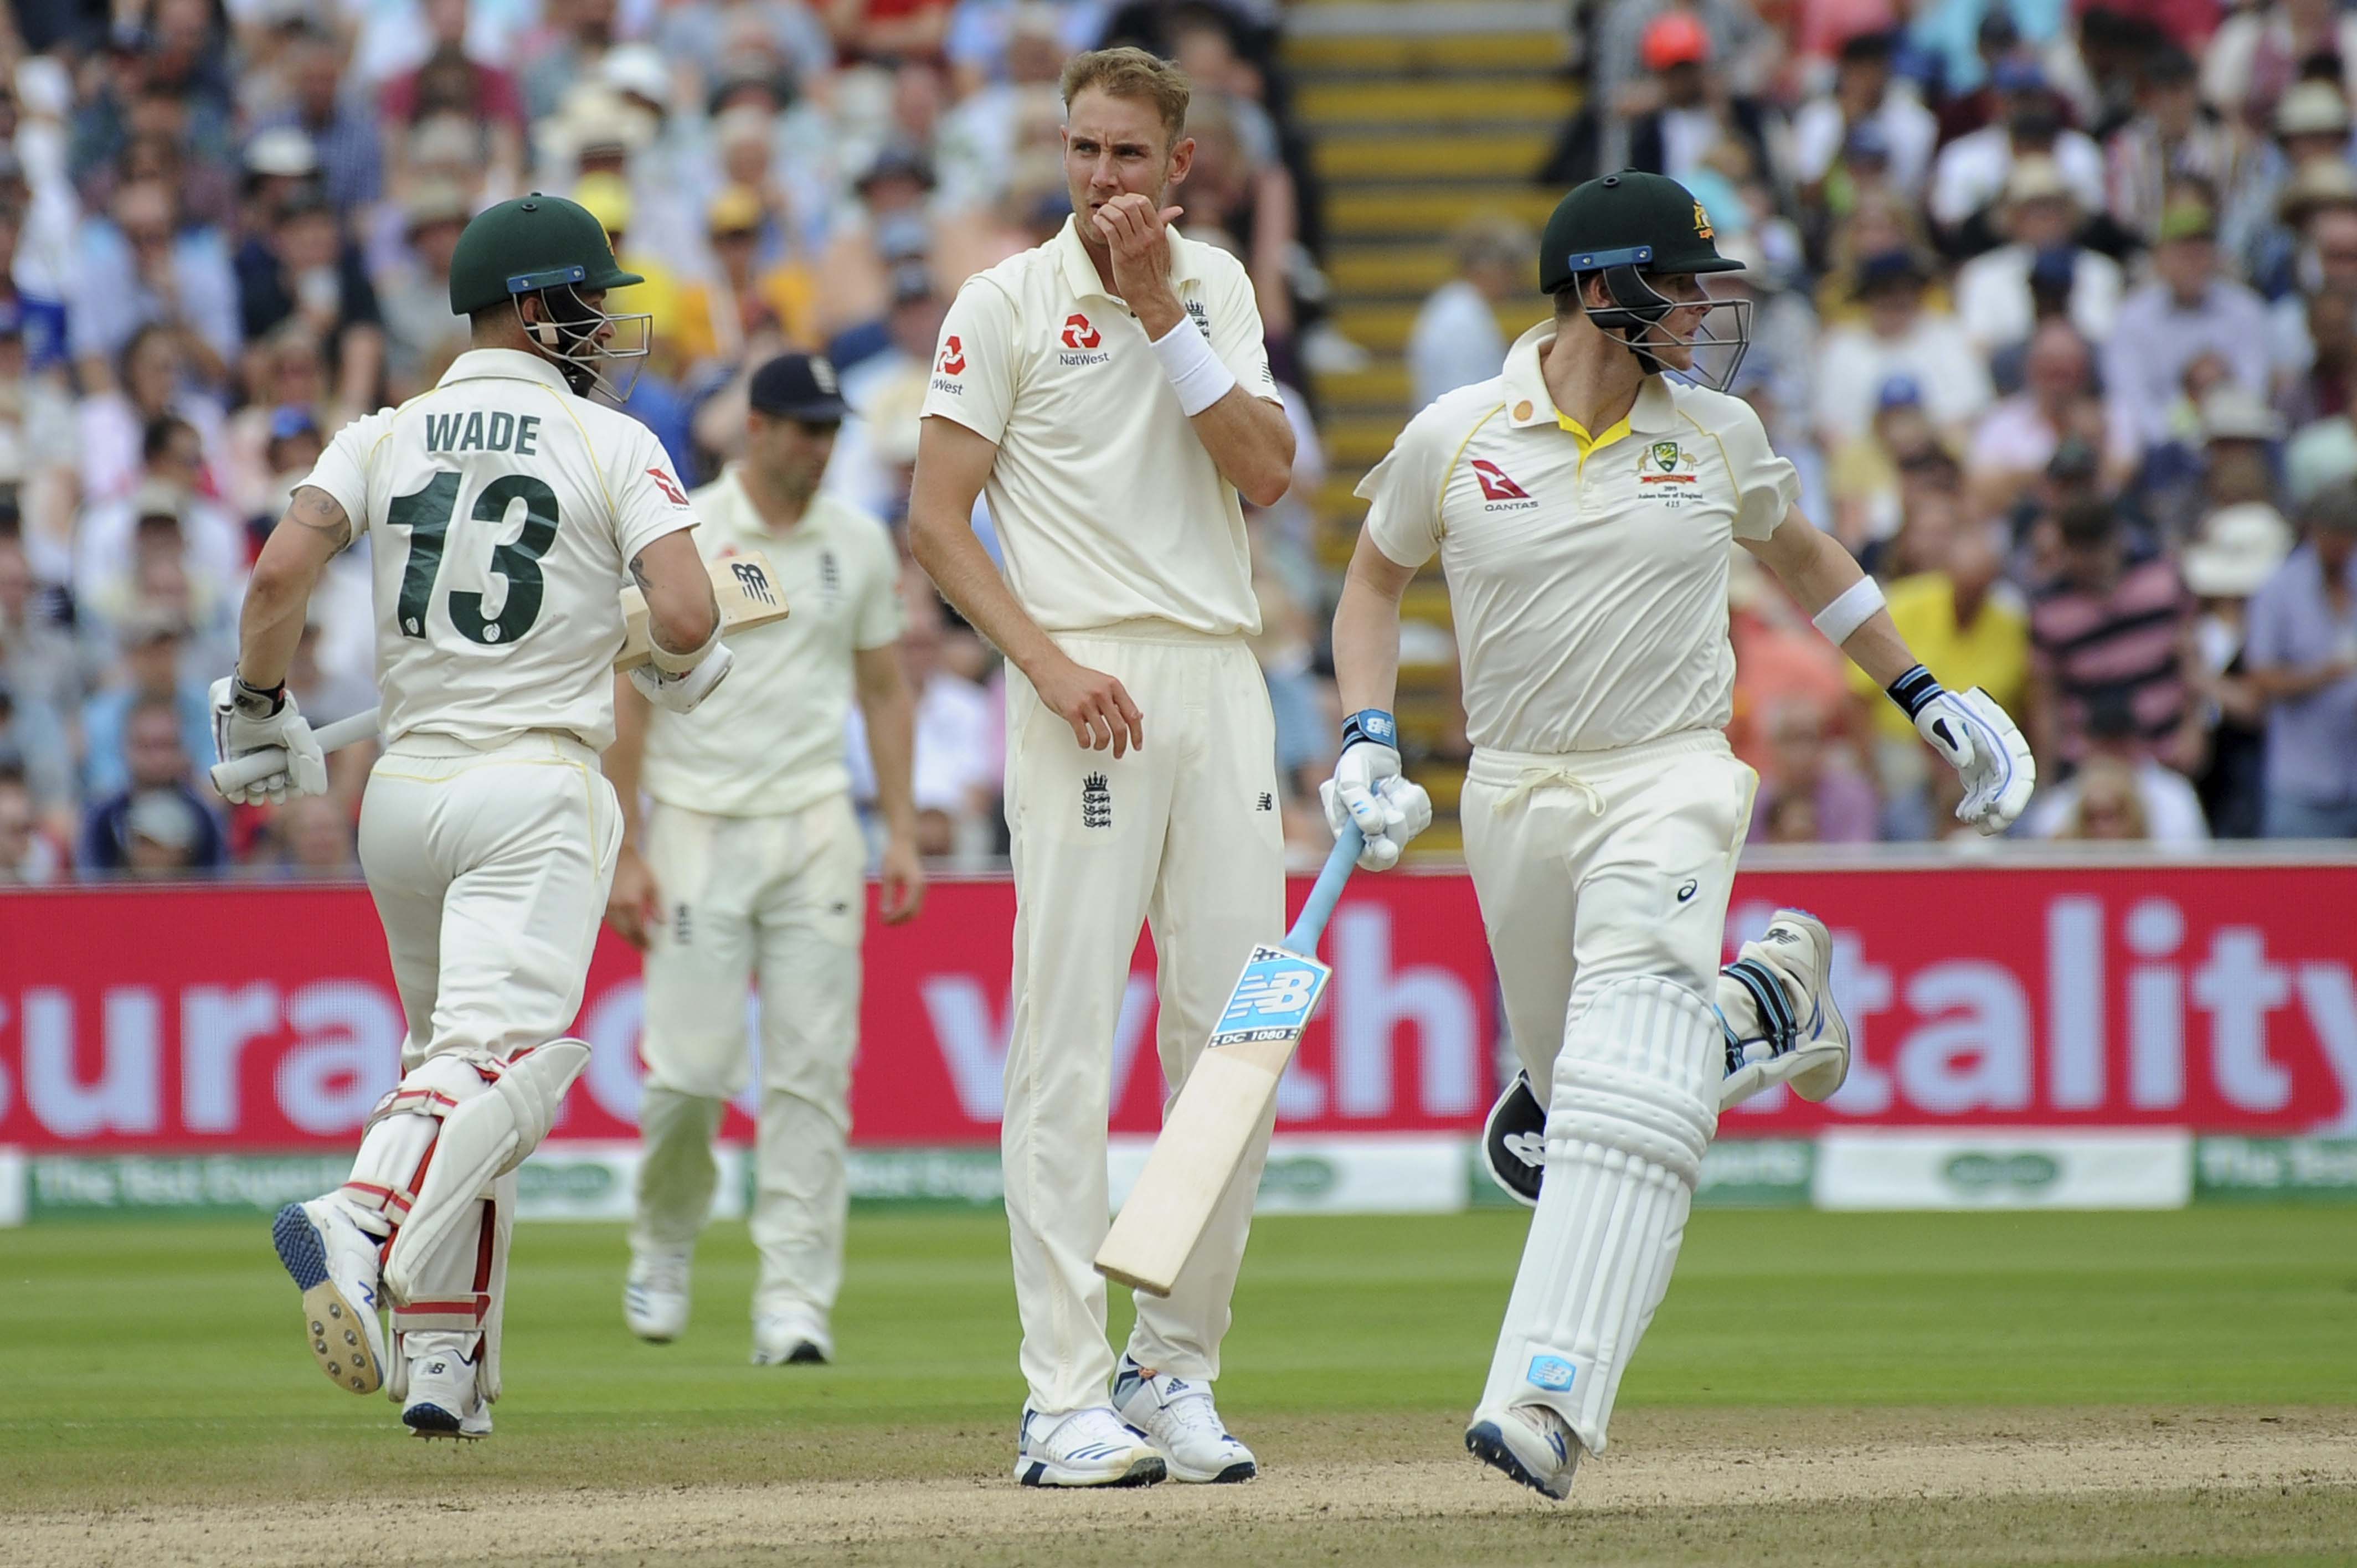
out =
column 745, row 586
column 1228, row 1097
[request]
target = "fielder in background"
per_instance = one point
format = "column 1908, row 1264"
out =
column 1111, row 392
column 1582, row 505
column 752, row 864
column 506, row 508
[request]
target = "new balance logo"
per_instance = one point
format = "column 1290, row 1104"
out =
column 1496, row 485
column 756, row 582
column 1096, row 802
column 1284, row 991
column 1528, row 1147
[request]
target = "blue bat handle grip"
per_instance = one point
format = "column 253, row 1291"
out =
column 1303, row 938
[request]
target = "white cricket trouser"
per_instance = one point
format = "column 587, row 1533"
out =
column 1582, row 862
column 1604, row 879
column 784, row 899
column 489, row 867
column 1183, row 835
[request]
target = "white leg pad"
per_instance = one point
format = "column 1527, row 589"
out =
column 484, row 1136
column 1634, row 1106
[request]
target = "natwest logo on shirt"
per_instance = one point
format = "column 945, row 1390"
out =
column 950, row 365
column 1078, row 338
column 1498, row 491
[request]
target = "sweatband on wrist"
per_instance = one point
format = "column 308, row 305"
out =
column 256, row 702
column 1851, row 609
column 1195, row 372
column 1914, row 691
column 1371, row 724
column 672, row 663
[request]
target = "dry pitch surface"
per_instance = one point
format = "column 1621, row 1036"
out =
column 1979, row 1389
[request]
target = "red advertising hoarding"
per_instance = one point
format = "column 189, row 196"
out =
column 2218, row 997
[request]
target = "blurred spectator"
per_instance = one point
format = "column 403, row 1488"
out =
column 954, row 784
column 889, row 29
column 2113, row 623
column 153, row 673
column 421, row 336
column 2188, row 310
column 2257, row 55
column 1688, row 112
column 116, row 424
column 1780, row 660
column 35, row 744
column 2301, row 650
column 1863, row 93
column 2239, row 549
column 2042, row 269
column 2161, row 803
column 1801, row 764
column 158, row 824
column 139, row 266
column 28, row 856
column 1624, row 82
column 37, row 659
column 2313, row 330
column 346, row 139
column 748, row 297
column 209, row 542
column 2258, row 228
column 1898, row 337
column 1455, row 340
column 711, row 37
column 2170, row 139
column 312, row 837
column 1970, row 175
column 2016, row 441
column 304, row 269
column 453, row 80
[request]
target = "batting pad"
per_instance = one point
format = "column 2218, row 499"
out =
column 1633, row 1107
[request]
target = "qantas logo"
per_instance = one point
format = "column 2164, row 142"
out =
column 1498, row 489
column 1079, row 334
column 669, row 486
column 952, row 360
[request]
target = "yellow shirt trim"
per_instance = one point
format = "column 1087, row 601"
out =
column 1591, row 445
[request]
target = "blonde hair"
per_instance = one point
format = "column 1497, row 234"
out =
column 1128, row 72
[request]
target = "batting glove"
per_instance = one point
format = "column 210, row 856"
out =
column 1988, row 751
column 680, row 693
column 1369, row 789
column 247, row 719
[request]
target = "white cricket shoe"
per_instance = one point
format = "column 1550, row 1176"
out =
column 792, row 1335
column 654, row 1295
column 1087, row 1448
column 1185, row 1427
column 1529, row 1442
column 1783, row 983
column 334, row 1264
column 443, row 1401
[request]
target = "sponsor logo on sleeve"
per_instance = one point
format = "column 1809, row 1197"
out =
column 668, row 485
column 949, row 367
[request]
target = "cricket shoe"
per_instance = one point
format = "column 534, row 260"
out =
column 1089, row 1447
column 793, row 1335
column 1529, row 1442
column 1177, row 1414
column 1513, row 1141
column 443, row 1400
column 334, row 1264
column 654, row 1295
column 1776, row 1002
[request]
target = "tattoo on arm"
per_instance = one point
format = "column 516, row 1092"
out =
column 314, row 508
column 639, row 572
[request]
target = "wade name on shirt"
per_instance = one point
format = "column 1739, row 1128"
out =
column 480, row 431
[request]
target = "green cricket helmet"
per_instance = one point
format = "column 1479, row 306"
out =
column 556, row 249
column 1629, row 226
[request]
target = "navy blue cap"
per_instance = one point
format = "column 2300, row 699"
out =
column 1887, row 267
column 1899, row 392
column 2016, row 75
column 798, row 386
column 291, row 419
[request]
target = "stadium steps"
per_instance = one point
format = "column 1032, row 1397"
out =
column 1422, row 114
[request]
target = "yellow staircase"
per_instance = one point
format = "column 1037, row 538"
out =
column 1423, row 113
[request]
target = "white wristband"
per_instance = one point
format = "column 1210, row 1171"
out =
column 1195, row 372
column 1851, row 609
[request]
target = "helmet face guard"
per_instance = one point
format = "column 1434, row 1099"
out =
column 569, row 335
column 1638, row 309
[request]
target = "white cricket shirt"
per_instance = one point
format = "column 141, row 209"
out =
column 1106, row 504
column 507, row 512
column 1587, row 578
column 769, row 740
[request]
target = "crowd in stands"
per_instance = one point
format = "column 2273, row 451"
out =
column 2056, row 314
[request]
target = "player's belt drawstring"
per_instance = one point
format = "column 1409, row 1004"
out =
column 1531, row 778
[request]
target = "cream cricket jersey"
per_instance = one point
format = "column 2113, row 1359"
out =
column 769, row 740
column 1587, row 577
column 1106, row 504
column 506, row 512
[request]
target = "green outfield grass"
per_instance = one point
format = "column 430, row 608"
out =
column 155, row 1363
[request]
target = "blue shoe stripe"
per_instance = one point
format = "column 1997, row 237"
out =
column 299, row 1246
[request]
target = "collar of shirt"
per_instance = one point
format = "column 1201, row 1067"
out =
column 1080, row 268
column 503, row 364
column 738, row 516
column 1530, row 402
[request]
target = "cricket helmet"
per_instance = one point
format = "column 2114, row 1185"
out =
column 1630, row 226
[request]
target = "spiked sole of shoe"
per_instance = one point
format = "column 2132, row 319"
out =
column 332, row 1326
column 1487, row 1443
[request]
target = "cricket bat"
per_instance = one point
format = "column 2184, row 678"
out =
column 744, row 586
column 1208, row 1127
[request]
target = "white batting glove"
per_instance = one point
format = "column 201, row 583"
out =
column 680, row 693
column 1369, row 789
column 247, row 720
column 1988, row 751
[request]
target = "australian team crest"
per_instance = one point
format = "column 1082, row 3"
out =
column 1666, row 471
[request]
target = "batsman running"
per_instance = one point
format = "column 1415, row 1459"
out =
column 1582, row 504
column 506, row 508
column 1111, row 392
column 751, row 863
